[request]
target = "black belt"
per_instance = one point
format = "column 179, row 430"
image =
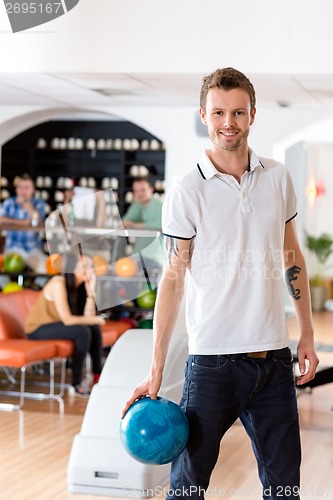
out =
column 284, row 353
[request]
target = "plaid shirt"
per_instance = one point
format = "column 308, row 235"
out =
column 27, row 240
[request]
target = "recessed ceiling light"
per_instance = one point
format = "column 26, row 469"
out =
column 283, row 104
column 114, row 92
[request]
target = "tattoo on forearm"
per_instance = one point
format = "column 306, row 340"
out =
column 290, row 276
column 171, row 247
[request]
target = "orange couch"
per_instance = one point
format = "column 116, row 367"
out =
column 17, row 351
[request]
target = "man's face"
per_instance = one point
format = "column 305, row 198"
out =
column 142, row 191
column 25, row 189
column 228, row 117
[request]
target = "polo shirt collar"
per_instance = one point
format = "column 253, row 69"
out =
column 254, row 161
column 208, row 170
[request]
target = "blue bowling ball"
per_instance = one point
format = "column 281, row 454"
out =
column 154, row 431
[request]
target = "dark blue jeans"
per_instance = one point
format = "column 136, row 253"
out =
column 218, row 389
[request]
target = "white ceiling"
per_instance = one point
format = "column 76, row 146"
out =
column 78, row 90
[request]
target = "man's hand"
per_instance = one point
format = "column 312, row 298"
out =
column 306, row 350
column 26, row 204
column 128, row 224
column 149, row 387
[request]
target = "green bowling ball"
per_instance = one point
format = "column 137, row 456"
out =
column 146, row 299
column 146, row 323
column 13, row 263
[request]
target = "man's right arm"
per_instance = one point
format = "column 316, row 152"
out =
column 169, row 298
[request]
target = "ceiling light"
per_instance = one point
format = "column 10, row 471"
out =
column 283, row 104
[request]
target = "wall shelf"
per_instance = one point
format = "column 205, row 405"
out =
column 22, row 154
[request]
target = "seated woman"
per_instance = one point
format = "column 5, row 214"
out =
column 66, row 310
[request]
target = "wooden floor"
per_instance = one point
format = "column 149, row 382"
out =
column 35, row 445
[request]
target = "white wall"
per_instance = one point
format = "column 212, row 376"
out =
column 309, row 165
column 320, row 170
column 296, row 161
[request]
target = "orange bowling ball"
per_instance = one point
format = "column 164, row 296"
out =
column 1, row 262
column 125, row 267
column 101, row 265
column 53, row 263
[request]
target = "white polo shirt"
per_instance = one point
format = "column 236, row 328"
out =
column 234, row 287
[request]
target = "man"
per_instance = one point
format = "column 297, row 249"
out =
column 22, row 212
column 146, row 210
column 145, row 213
column 229, row 227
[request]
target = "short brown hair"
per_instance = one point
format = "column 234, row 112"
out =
column 23, row 177
column 26, row 177
column 142, row 179
column 226, row 79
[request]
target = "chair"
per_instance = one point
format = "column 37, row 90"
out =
column 18, row 352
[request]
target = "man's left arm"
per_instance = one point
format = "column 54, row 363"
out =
column 14, row 224
column 298, row 287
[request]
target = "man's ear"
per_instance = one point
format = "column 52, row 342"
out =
column 203, row 116
column 253, row 114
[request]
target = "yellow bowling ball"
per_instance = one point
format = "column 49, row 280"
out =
column 11, row 287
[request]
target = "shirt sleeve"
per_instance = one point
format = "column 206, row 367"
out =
column 177, row 216
column 4, row 209
column 290, row 196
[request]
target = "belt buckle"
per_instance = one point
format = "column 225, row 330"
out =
column 257, row 355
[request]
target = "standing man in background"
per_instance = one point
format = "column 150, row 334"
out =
column 24, row 211
column 229, row 228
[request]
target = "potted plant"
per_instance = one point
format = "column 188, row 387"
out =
column 322, row 248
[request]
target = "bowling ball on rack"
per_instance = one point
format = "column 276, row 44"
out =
column 125, row 267
column 11, row 287
column 146, row 299
column 53, row 263
column 146, row 323
column 101, row 265
column 13, row 263
column 154, row 431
